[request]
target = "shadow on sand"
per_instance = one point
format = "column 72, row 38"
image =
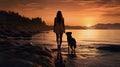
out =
column 59, row 62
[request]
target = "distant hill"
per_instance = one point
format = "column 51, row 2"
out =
column 107, row 26
column 74, row 27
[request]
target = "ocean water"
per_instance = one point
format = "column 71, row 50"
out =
column 83, row 36
column 87, row 54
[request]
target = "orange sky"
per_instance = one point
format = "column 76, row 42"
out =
column 75, row 12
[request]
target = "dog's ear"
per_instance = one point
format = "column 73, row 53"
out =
column 68, row 33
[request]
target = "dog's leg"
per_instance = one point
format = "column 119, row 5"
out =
column 68, row 50
column 74, row 51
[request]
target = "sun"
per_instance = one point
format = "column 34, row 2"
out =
column 88, row 25
column 89, row 21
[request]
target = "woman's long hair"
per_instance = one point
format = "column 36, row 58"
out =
column 59, row 16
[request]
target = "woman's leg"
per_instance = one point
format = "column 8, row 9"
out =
column 57, row 38
column 61, row 39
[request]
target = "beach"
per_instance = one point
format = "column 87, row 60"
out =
column 90, row 52
column 41, row 50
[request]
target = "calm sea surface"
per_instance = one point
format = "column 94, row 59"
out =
column 82, row 37
column 86, row 53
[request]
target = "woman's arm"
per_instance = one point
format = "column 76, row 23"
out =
column 63, row 25
column 54, row 24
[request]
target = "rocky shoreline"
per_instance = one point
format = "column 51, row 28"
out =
column 24, row 56
column 13, row 54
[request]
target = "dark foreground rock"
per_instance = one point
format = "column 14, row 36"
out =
column 13, row 55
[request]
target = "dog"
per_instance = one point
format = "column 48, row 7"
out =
column 71, row 43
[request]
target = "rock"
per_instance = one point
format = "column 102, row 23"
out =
column 29, row 53
column 6, row 45
column 16, row 63
column 113, row 48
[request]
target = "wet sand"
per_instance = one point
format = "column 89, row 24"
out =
column 89, row 56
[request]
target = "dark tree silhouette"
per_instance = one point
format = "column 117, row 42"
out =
column 12, row 21
column 10, row 17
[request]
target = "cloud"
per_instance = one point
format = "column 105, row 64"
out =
column 32, row 6
column 67, row 5
column 114, row 13
column 98, row 3
column 41, row 4
column 21, row 3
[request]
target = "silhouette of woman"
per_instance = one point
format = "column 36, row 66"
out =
column 59, row 28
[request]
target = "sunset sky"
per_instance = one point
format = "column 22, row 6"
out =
column 75, row 12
